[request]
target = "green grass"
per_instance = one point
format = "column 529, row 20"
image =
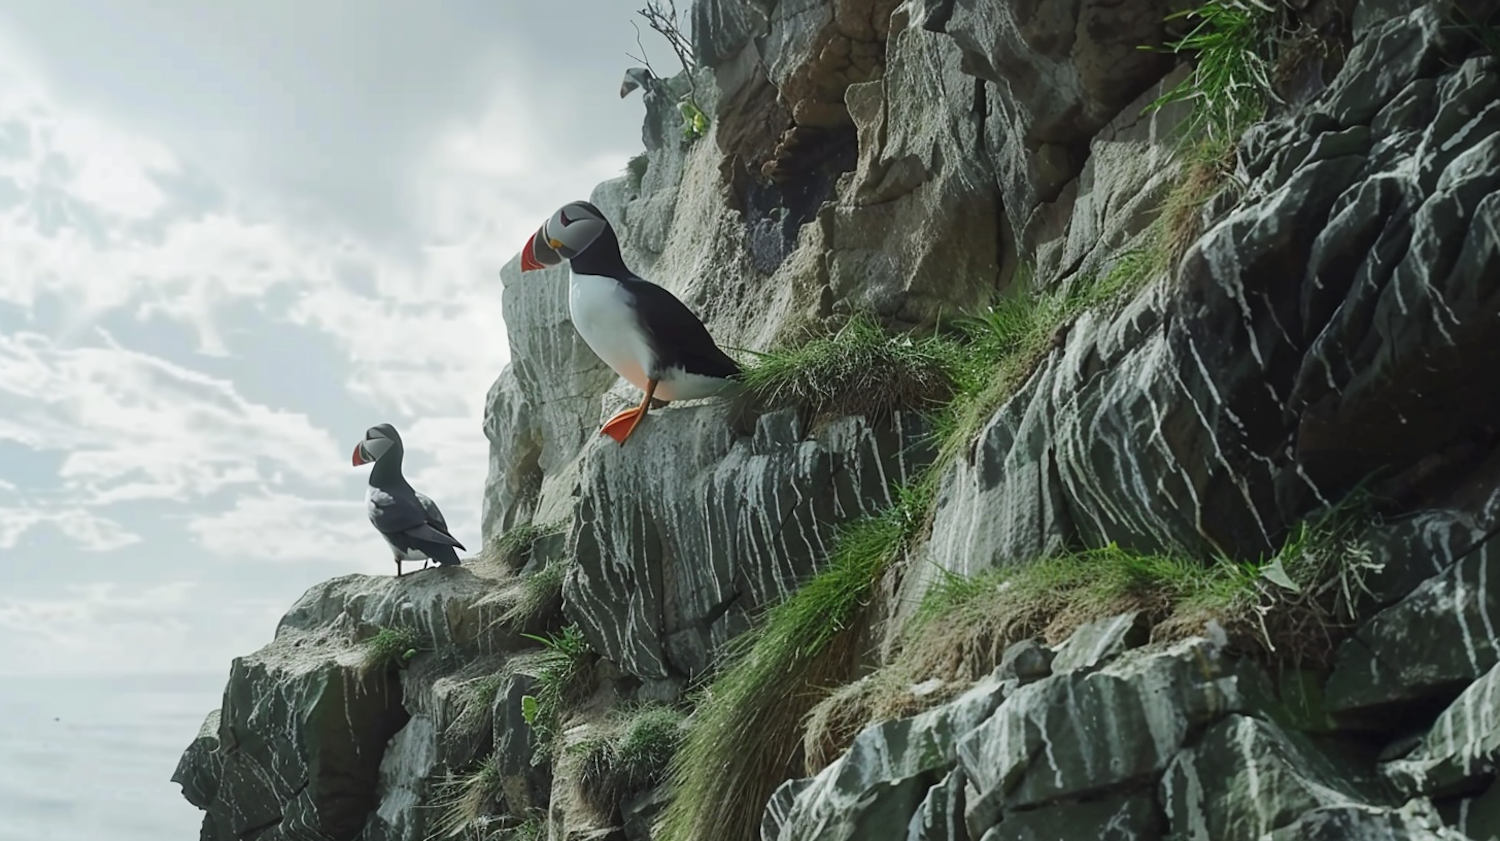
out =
column 562, row 678
column 390, row 647
column 513, row 548
column 536, row 593
column 631, row 758
column 1233, row 43
column 460, row 800
column 859, row 370
column 745, row 737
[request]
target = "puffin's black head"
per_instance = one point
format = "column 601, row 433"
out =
column 378, row 439
column 569, row 231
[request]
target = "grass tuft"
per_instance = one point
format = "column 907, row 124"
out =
column 390, row 647
column 745, row 736
column 536, row 594
column 513, row 548
column 1233, row 43
column 462, row 800
column 859, row 370
column 629, row 759
column 562, row 680
column 635, row 171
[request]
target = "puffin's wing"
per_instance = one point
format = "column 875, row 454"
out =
column 435, row 517
column 676, row 335
column 392, row 514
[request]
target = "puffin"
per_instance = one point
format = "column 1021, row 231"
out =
column 409, row 521
column 637, row 328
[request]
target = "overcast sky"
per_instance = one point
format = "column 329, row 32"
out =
column 233, row 235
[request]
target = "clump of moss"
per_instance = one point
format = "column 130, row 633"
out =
column 745, row 738
column 858, row 370
column 390, row 648
column 631, row 758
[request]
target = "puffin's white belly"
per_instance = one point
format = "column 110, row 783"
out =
column 603, row 316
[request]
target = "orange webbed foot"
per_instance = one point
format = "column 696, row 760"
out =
column 620, row 426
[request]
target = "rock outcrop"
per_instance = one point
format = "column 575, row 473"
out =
column 1313, row 321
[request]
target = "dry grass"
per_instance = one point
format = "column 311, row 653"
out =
column 512, row 549
column 461, row 800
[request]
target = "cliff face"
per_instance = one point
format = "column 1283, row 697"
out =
column 1249, row 345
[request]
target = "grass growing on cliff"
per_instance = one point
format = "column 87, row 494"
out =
column 745, row 735
column 460, row 800
column 1233, row 45
column 536, row 594
column 858, row 370
column 513, row 548
column 562, row 679
column 630, row 758
column 390, row 647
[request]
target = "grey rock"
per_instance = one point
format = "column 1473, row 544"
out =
column 524, row 783
column 1128, row 818
column 671, row 531
column 640, row 813
column 1478, row 817
column 1440, row 637
column 1247, row 777
column 1076, row 733
column 1461, row 749
column 886, row 775
column 1026, row 661
column 940, row 816
column 1100, row 641
column 1365, row 823
column 201, row 764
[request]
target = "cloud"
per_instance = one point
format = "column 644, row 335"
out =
column 134, row 426
column 282, row 527
column 87, row 530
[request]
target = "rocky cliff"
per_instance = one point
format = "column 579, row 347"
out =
column 1119, row 460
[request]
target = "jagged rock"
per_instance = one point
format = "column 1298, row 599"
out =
column 1129, row 818
column 668, row 531
column 1247, row 777
column 940, row 816
column 523, row 783
column 886, row 774
column 920, row 187
column 1097, row 642
column 201, row 764
column 1364, row 823
column 1461, row 749
column 1279, row 370
column 1026, row 661
column 1440, row 637
column 1076, row 733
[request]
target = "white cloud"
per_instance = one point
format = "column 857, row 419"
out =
column 87, row 530
column 282, row 527
column 134, row 426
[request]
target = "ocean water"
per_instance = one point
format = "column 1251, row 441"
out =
column 91, row 759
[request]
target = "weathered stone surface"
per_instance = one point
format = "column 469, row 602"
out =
column 524, row 784
column 1478, row 817
column 1441, row 636
column 200, row 766
column 1247, row 777
column 1129, row 818
column 1026, row 661
column 669, row 532
column 1461, row 749
column 1076, row 733
column 1366, row 823
column 940, row 816
column 886, row 774
column 1101, row 641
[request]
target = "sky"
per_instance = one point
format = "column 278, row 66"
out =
column 232, row 237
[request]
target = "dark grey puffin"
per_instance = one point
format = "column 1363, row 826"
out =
column 409, row 521
column 638, row 328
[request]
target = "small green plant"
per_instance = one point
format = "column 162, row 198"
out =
column 857, row 370
column 391, row 647
column 1233, row 43
column 635, row 171
column 461, row 800
column 629, row 759
column 513, row 548
column 694, row 121
column 562, row 677
column 745, row 733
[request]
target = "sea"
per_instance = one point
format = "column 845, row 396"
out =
column 91, row 758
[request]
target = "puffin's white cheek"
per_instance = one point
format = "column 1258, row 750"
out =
column 377, row 447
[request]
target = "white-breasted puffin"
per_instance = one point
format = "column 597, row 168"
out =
column 409, row 521
column 638, row 328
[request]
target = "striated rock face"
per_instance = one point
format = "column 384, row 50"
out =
column 1325, row 322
